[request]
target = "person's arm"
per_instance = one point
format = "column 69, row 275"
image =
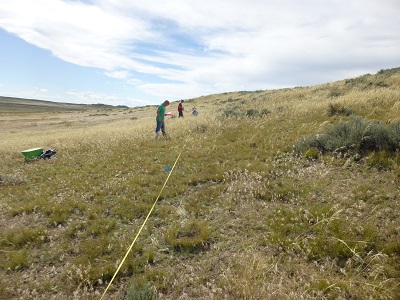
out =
column 159, row 118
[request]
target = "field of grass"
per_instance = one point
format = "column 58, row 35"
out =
column 252, row 210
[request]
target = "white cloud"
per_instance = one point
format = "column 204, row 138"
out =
column 75, row 32
column 118, row 74
column 189, row 48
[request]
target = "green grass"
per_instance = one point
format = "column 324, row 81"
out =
column 244, row 215
column 140, row 292
column 191, row 237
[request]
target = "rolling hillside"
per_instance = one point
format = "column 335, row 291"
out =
column 278, row 194
column 10, row 105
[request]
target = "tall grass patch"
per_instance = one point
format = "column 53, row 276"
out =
column 141, row 292
column 192, row 237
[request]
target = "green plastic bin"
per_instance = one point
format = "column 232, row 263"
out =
column 32, row 153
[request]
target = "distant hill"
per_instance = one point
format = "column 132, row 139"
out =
column 19, row 105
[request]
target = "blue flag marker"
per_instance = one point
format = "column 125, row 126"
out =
column 168, row 168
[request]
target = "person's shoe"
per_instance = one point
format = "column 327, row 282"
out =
column 156, row 135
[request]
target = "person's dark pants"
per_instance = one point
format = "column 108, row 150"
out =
column 180, row 114
column 160, row 126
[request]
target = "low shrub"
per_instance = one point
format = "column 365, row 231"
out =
column 356, row 136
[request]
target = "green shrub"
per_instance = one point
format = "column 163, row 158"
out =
column 344, row 134
column 377, row 137
column 394, row 131
column 356, row 136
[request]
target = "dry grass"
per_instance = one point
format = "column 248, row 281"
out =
column 242, row 217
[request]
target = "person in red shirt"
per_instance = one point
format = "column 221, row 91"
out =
column 180, row 109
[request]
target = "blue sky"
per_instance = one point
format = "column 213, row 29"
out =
column 135, row 53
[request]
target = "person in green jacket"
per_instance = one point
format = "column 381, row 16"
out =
column 160, row 118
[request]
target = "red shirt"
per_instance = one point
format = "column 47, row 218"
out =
column 180, row 107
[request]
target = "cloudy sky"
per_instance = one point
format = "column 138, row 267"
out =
column 136, row 52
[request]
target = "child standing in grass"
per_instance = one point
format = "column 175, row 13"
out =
column 160, row 118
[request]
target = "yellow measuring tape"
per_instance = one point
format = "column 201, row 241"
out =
column 140, row 230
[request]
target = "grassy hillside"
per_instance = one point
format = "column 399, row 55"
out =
column 10, row 105
column 260, row 204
